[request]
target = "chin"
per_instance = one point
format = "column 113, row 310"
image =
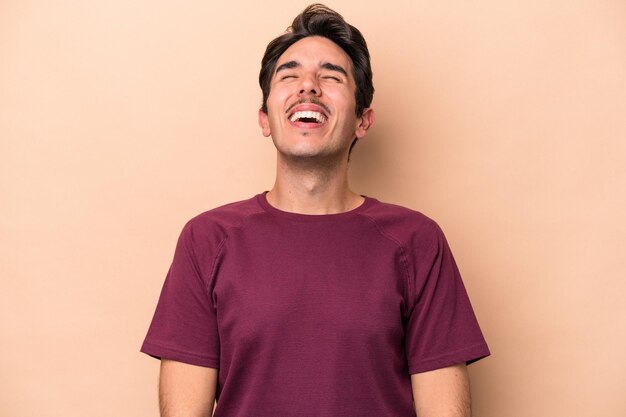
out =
column 301, row 153
column 303, row 149
column 311, row 155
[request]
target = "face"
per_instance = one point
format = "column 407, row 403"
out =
column 311, row 104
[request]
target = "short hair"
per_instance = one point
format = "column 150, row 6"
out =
column 319, row 20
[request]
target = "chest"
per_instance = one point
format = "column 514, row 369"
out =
column 308, row 286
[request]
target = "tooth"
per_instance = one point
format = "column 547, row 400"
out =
column 308, row 114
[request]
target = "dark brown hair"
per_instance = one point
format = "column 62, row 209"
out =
column 319, row 20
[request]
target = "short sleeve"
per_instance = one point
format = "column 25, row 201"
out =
column 441, row 329
column 184, row 325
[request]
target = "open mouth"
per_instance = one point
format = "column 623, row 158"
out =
column 308, row 118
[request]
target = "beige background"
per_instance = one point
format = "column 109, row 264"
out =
column 505, row 121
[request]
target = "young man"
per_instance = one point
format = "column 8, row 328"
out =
column 309, row 299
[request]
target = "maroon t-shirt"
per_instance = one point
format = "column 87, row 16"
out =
column 314, row 315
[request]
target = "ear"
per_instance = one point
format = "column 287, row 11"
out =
column 364, row 122
column 264, row 123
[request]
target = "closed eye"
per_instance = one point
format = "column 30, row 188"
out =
column 287, row 76
column 332, row 78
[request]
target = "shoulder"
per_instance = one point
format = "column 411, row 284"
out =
column 215, row 224
column 406, row 226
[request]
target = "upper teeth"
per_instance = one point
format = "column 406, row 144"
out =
column 308, row 115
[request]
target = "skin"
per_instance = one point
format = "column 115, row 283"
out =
column 443, row 392
column 312, row 178
column 186, row 390
column 312, row 162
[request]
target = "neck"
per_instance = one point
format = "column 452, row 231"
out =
column 312, row 188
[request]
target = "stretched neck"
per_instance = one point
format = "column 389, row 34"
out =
column 312, row 187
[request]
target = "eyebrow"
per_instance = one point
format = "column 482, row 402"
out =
column 325, row 65
column 334, row 67
column 287, row 65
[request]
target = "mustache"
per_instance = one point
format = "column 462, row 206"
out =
column 312, row 101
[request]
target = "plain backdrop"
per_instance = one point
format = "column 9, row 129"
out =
column 505, row 121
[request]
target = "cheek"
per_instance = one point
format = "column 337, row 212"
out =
column 348, row 102
column 342, row 96
column 278, row 94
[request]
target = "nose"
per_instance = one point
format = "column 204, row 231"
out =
column 309, row 85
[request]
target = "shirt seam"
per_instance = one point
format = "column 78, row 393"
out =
column 175, row 350
column 219, row 250
column 403, row 260
column 468, row 349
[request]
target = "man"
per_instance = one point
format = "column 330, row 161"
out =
column 309, row 299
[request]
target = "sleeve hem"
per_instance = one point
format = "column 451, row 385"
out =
column 467, row 356
column 161, row 352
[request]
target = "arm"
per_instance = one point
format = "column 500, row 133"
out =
column 186, row 390
column 443, row 392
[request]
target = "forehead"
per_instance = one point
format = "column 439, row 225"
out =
column 316, row 50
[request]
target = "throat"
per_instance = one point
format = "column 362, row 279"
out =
column 315, row 200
